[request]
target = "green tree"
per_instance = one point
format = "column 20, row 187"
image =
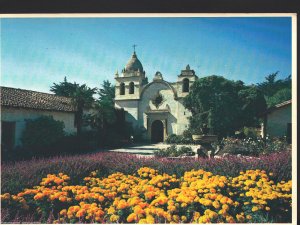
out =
column 273, row 85
column 276, row 90
column 253, row 104
column 282, row 95
column 64, row 88
column 269, row 86
column 107, row 93
column 105, row 116
column 42, row 133
column 105, row 104
column 224, row 105
column 81, row 95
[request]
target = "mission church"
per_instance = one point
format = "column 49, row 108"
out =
column 156, row 106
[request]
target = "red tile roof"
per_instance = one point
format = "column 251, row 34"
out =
column 283, row 104
column 20, row 98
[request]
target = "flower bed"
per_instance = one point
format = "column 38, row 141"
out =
column 148, row 196
column 25, row 174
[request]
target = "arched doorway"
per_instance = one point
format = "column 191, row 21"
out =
column 157, row 131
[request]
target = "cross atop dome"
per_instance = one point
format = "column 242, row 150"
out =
column 134, row 45
column 134, row 64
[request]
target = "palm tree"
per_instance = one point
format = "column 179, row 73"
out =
column 81, row 95
column 82, row 98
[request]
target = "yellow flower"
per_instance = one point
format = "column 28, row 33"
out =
column 111, row 210
column 183, row 205
column 196, row 215
column 216, row 204
column 38, row 196
column 114, row 218
column 131, row 217
column 240, row 218
column 183, row 218
column 176, row 218
column 122, row 204
column 254, row 209
column 230, row 219
column 150, row 219
column 212, row 215
column 204, row 219
column 142, row 221
column 63, row 212
column 225, row 207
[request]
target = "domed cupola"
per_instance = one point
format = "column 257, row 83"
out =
column 134, row 65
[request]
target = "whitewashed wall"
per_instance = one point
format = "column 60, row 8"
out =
column 19, row 116
column 278, row 120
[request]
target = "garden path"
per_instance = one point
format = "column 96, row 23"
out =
column 143, row 149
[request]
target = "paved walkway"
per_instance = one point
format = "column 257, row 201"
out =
column 145, row 149
column 140, row 149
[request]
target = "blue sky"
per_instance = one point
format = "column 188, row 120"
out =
column 35, row 52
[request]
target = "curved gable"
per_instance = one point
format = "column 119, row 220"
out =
column 161, row 82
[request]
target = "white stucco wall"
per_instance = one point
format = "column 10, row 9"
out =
column 19, row 116
column 177, row 118
column 131, row 108
column 277, row 121
column 168, row 99
column 182, row 114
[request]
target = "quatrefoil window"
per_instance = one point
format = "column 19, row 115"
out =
column 158, row 99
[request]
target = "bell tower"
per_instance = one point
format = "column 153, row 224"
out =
column 185, row 80
column 129, row 85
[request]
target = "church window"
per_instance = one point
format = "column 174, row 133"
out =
column 186, row 85
column 158, row 99
column 122, row 89
column 131, row 88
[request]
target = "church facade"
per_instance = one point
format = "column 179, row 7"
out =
column 156, row 106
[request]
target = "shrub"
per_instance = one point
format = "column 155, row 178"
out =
column 168, row 152
column 42, row 133
column 253, row 146
column 138, row 134
column 172, row 139
column 251, row 132
column 187, row 151
column 172, row 151
column 179, row 139
column 73, row 143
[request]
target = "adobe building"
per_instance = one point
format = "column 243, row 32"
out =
column 19, row 105
column 156, row 106
column 278, row 121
